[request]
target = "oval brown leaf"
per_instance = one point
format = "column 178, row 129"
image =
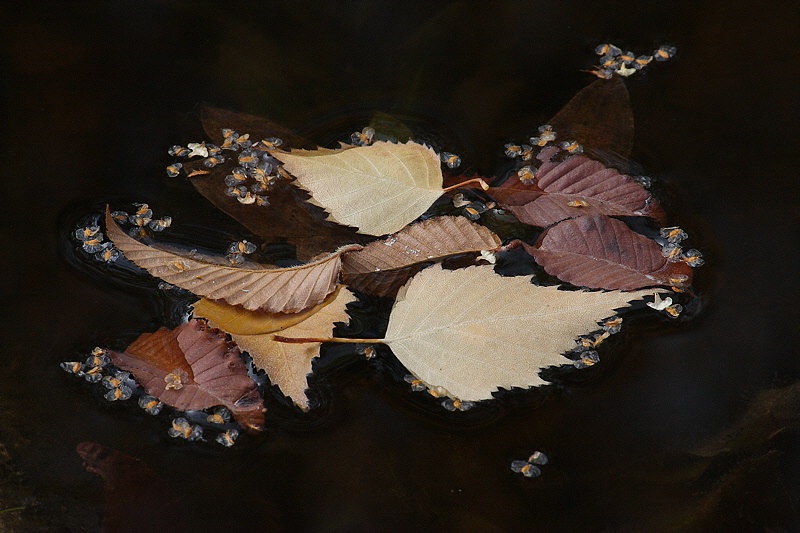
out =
column 382, row 267
column 276, row 290
column 216, row 373
column 602, row 253
column 577, row 186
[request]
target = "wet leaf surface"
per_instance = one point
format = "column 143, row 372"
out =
column 603, row 253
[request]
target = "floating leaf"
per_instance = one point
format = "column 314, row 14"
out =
column 287, row 365
column 215, row 119
column 193, row 367
column 378, row 188
column 603, row 253
column 275, row 290
column 571, row 188
column 472, row 331
column 236, row 319
column 384, row 266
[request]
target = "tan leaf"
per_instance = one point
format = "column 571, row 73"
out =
column 275, row 290
column 472, row 331
column 382, row 267
column 287, row 365
column 378, row 188
column 236, row 319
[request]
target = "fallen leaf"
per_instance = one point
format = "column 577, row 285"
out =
column 472, row 331
column 275, row 290
column 215, row 119
column 287, row 365
column 382, row 267
column 193, row 367
column 603, row 253
column 378, row 188
column 136, row 497
column 236, row 319
column 577, row 186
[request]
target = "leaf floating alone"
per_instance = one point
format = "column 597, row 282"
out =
column 193, row 367
column 472, row 331
column 577, row 186
column 287, row 365
column 275, row 290
column 382, row 267
column 378, row 188
column 603, row 253
column 236, row 319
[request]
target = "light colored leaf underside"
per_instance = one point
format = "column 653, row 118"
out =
column 374, row 269
column 288, row 365
column 378, row 188
column 275, row 290
column 472, row 331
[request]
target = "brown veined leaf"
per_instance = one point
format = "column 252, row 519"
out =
column 382, row 267
column 472, row 331
column 287, row 365
column 378, row 188
column 577, row 186
column 236, row 319
column 603, row 253
column 275, row 290
column 194, row 367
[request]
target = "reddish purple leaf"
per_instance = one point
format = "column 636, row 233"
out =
column 577, row 186
column 136, row 497
column 194, row 367
column 603, row 253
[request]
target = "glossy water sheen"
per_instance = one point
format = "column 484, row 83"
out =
column 95, row 93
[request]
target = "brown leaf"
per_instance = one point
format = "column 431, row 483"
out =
column 275, row 290
column 384, row 266
column 577, row 186
column 603, row 253
column 209, row 372
column 236, row 319
column 599, row 117
column 215, row 119
column 136, row 497
column 287, row 365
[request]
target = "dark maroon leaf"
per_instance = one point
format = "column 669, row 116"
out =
column 215, row 119
column 136, row 498
column 208, row 369
column 603, row 253
column 577, row 186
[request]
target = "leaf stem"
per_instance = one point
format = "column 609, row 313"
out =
column 479, row 181
column 304, row 340
column 8, row 510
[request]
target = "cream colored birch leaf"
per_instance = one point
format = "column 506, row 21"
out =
column 378, row 188
column 472, row 331
column 275, row 290
column 287, row 365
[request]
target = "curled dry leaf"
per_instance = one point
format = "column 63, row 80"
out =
column 236, row 319
column 194, row 367
column 287, row 365
column 275, row 290
column 577, row 186
column 378, row 188
column 472, row 331
column 603, row 253
column 382, row 267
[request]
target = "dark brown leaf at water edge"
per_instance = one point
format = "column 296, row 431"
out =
column 382, row 267
column 216, row 119
column 136, row 497
column 603, row 253
column 577, row 186
column 194, row 367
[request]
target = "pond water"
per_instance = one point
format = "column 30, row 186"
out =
column 690, row 425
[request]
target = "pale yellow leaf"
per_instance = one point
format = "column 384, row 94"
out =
column 378, row 188
column 287, row 365
column 236, row 319
column 276, row 290
column 472, row 331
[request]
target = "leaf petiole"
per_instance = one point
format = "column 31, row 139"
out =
column 479, row 181
column 304, row 340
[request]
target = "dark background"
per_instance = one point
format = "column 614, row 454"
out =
column 692, row 425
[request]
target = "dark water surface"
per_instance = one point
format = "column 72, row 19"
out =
column 690, row 426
